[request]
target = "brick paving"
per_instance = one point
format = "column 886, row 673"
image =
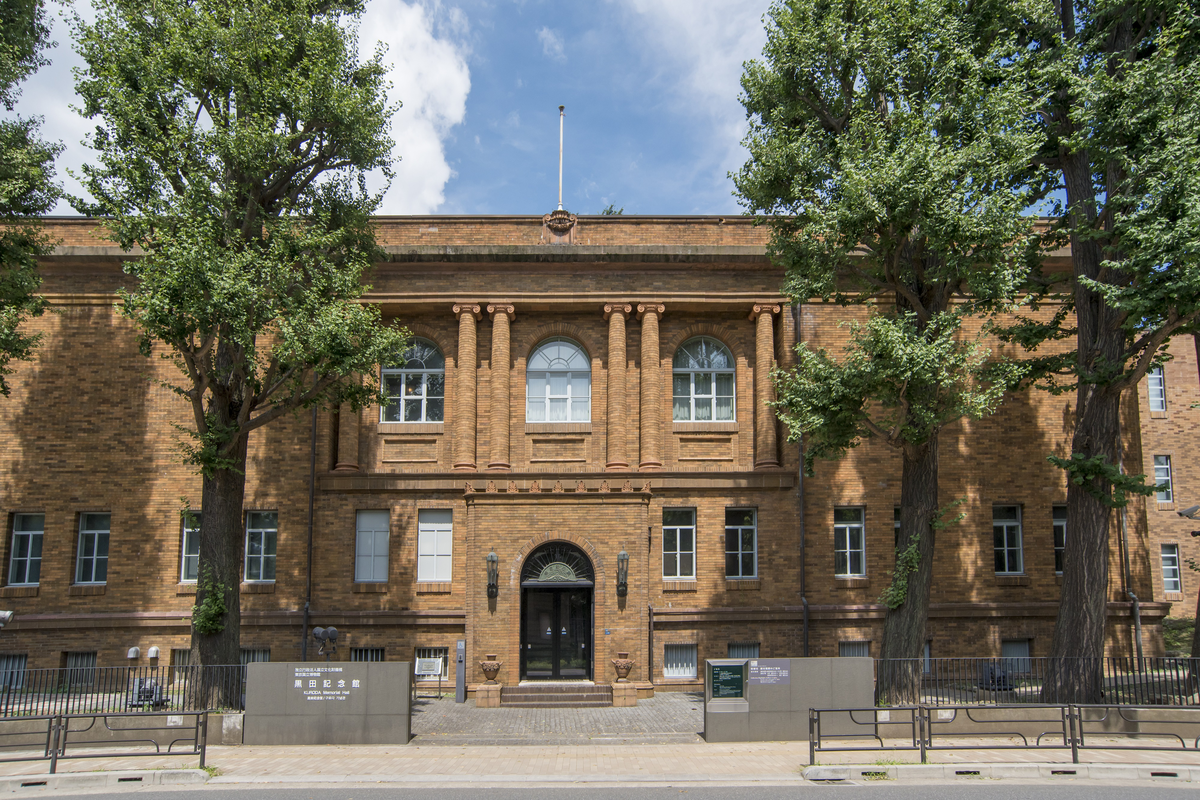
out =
column 666, row 718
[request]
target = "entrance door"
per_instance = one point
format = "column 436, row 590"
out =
column 556, row 634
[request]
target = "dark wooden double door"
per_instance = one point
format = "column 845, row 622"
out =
column 556, row 634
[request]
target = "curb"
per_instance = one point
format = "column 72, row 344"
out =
column 124, row 779
column 927, row 772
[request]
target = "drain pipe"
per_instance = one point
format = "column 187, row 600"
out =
column 800, row 495
column 312, row 488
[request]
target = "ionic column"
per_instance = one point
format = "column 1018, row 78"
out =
column 465, row 403
column 652, row 416
column 617, row 401
column 347, row 450
column 765, row 456
column 502, row 315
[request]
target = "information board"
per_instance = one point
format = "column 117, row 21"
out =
column 728, row 681
column 429, row 667
column 771, row 671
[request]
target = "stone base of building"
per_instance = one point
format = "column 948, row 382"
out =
column 624, row 694
column 487, row 695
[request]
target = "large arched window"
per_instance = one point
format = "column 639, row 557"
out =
column 416, row 390
column 558, row 383
column 702, row 382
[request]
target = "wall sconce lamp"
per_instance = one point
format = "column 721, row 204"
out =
column 622, row 574
column 328, row 638
column 493, row 575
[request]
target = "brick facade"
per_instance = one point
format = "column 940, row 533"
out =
column 90, row 430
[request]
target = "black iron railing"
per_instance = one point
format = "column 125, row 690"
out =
column 1006, row 681
column 100, row 690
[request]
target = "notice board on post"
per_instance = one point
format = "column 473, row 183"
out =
column 727, row 679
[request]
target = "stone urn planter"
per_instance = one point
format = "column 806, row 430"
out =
column 622, row 664
column 490, row 667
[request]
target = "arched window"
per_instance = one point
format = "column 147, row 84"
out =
column 702, row 382
column 558, row 383
column 416, row 390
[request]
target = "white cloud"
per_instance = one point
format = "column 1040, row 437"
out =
column 552, row 44
column 428, row 71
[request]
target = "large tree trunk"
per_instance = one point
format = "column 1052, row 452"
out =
column 221, row 541
column 899, row 681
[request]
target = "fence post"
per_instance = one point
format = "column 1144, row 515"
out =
column 812, row 748
column 921, row 719
column 54, row 727
column 1071, row 718
column 202, row 723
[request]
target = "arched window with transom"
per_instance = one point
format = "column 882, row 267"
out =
column 558, row 383
column 416, row 390
column 702, row 382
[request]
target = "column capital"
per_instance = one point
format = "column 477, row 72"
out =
column 644, row 308
column 502, row 308
column 764, row 308
column 467, row 308
column 610, row 308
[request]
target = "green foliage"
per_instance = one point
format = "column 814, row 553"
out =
column 907, row 561
column 611, row 210
column 23, row 36
column 1095, row 474
column 232, row 143
column 1177, row 633
column 208, row 617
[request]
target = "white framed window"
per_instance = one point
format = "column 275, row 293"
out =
column 435, row 544
column 849, row 543
column 81, row 668
column 1014, row 654
column 371, row 547
column 366, row 654
column 1006, row 540
column 558, row 383
column 702, row 382
column 1059, row 515
column 854, row 649
column 437, row 652
column 1162, row 478
column 1156, row 386
column 415, row 390
column 743, row 650
column 679, row 543
column 190, row 568
column 25, row 566
column 181, row 662
column 12, row 670
column 1172, row 580
column 679, row 661
column 741, row 543
column 253, row 655
column 262, row 534
column 91, row 557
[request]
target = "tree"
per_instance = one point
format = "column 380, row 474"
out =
column 611, row 210
column 232, row 140
column 27, row 186
column 1120, row 113
column 895, row 152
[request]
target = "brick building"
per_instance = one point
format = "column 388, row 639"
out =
column 582, row 404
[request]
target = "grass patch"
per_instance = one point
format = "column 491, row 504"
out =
column 212, row 771
column 1177, row 633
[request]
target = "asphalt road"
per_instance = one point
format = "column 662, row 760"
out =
column 1006, row 790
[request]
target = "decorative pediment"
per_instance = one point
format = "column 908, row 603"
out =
column 557, row 562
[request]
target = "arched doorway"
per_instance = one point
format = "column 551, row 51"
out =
column 556, row 614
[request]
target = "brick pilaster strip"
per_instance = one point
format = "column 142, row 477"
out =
column 765, row 445
column 617, row 436
column 501, row 416
column 347, row 450
column 465, row 402
column 652, row 416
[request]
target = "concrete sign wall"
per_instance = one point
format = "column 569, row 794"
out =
column 328, row 703
column 779, row 692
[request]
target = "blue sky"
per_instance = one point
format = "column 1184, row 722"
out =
column 653, row 121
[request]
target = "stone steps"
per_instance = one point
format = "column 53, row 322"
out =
column 556, row 695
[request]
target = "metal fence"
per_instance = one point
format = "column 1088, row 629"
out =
column 99, row 690
column 48, row 737
column 1006, row 681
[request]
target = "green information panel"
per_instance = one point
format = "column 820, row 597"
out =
column 728, row 681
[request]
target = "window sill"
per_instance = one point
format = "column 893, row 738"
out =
column 1172, row 597
column 704, row 427
column 558, row 427
column 394, row 428
column 433, row 587
column 259, row 587
column 742, row 584
column 19, row 591
column 183, row 588
column 678, row 586
column 860, row 582
column 369, row 588
column 1158, row 415
column 1166, row 506
column 1058, row 579
column 1012, row 580
column 86, row 589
